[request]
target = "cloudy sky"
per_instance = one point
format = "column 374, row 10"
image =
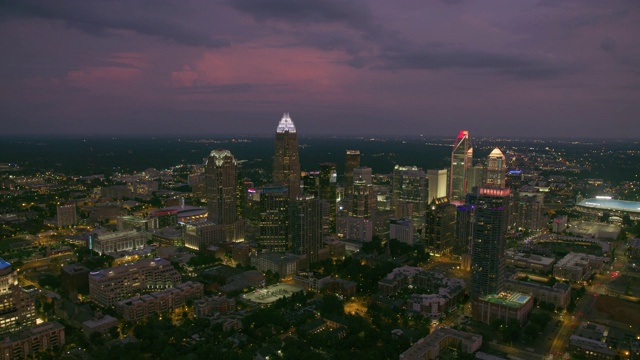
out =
column 560, row 68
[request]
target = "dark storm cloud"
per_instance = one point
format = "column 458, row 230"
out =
column 235, row 88
column 438, row 56
column 354, row 14
column 98, row 18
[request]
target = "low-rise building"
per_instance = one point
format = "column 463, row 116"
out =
column 506, row 306
column 101, row 325
column 210, row 305
column 283, row 264
column 114, row 242
column 590, row 349
column 29, row 342
column 141, row 306
column 110, row 285
column 577, row 266
column 559, row 294
column 432, row 345
column 533, row 262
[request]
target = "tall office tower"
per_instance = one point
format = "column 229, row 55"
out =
column 475, row 177
column 221, row 187
column 489, row 223
column 17, row 308
column 274, row 219
column 328, row 191
column 409, row 193
column 496, row 169
column 440, row 226
column 437, row 184
column 66, row 215
column 461, row 158
column 365, row 173
column 311, row 183
column 363, row 201
column 526, row 211
column 306, row 227
column 464, row 234
column 352, row 161
column 286, row 162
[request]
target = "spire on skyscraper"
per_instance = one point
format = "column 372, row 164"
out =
column 286, row 124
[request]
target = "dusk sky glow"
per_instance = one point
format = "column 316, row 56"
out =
column 535, row 68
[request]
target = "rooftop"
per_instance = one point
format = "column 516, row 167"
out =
column 286, row 124
column 610, row 204
column 514, row 300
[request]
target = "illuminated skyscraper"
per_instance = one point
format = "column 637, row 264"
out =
column 328, row 191
column 286, row 162
column 496, row 169
column 17, row 308
column 409, row 193
column 274, row 219
column 306, row 227
column 440, row 226
column 352, row 161
column 461, row 158
column 489, row 226
column 221, row 187
column 437, row 180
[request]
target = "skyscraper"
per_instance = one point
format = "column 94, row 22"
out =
column 306, row 227
column 221, row 187
column 17, row 308
column 437, row 180
column 274, row 219
column 286, row 162
column 352, row 161
column 328, row 190
column 496, row 169
column 489, row 226
column 409, row 193
column 440, row 226
column 461, row 158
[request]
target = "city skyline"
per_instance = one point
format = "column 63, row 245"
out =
column 500, row 68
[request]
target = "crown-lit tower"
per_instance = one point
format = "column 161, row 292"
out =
column 496, row 169
column 461, row 159
column 286, row 162
column 221, row 187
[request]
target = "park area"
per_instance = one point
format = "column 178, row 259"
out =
column 272, row 293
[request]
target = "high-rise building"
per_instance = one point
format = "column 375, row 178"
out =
column 409, row 193
column 66, row 215
column 496, row 169
column 437, row 180
column 363, row 200
column 440, row 226
column 526, row 211
column 306, row 227
column 464, row 234
column 364, row 173
column 222, row 198
column 17, row 308
column 274, row 219
column 286, row 162
column 311, row 183
column 221, row 187
column 461, row 159
column 328, row 190
column 352, row 161
column 402, row 230
column 489, row 227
